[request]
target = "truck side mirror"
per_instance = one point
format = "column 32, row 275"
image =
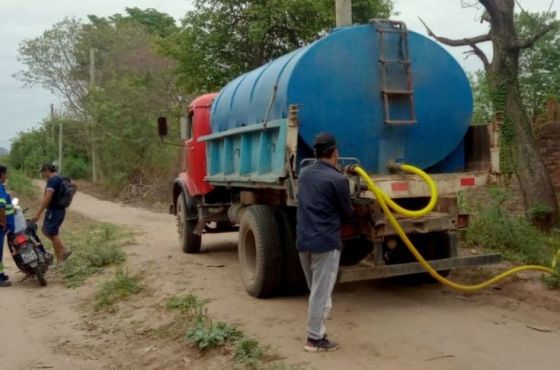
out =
column 162, row 127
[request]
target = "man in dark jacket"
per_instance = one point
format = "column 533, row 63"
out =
column 323, row 203
column 55, row 212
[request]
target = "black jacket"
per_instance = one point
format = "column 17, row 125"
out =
column 323, row 203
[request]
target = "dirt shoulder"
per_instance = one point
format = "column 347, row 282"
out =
column 378, row 325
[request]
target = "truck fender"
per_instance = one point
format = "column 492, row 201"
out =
column 179, row 186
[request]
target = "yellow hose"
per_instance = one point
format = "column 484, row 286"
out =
column 385, row 202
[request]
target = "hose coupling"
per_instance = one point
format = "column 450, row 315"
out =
column 393, row 166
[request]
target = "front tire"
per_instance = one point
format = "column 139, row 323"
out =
column 186, row 225
column 39, row 275
column 260, row 251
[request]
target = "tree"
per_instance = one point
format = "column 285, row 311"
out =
column 539, row 65
column 51, row 62
column 133, row 85
column 222, row 39
column 482, row 113
column 518, row 148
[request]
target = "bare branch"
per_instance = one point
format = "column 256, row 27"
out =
column 472, row 41
column 520, row 7
column 528, row 42
column 457, row 42
column 480, row 54
column 549, row 8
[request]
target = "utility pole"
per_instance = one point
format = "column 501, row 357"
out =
column 52, row 137
column 94, row 164
column 60, row 147
column 343, row 13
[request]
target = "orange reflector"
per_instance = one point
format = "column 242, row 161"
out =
column 467, row 181
column 399, row 186
column 462, row 221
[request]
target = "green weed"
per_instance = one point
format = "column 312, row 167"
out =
column 189, row 305
column 206, row 334
column 119, row 288
column 248, row 354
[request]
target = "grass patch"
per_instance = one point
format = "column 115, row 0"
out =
column 95, row 246
column 513, row 236
column 119, row 288
column 206, row 334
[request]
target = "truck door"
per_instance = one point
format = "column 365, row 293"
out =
column 197, row 125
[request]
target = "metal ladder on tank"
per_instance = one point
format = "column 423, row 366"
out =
column 399, row 96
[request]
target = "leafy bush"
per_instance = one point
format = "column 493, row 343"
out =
column 512, row 236
column 120, row 287
column 76, row 168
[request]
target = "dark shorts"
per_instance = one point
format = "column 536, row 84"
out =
column 53, row 220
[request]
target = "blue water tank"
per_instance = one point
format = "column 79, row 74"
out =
column 337, row 83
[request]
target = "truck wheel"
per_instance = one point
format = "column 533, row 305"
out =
column 190, row 242
column 293, row 278
column 260, row 251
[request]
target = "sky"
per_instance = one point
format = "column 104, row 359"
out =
column 23, row 108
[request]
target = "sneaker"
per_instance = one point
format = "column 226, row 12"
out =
column 4, row 277
column 320, row 345
column 66, row 254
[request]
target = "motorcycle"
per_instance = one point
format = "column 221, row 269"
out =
column 26, row 248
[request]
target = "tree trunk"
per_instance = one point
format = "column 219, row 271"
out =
column 538, row 192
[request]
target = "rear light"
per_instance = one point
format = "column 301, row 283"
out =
column 468, row 181
column 399, row 186
column 348, row 231
column 462, row 221
column 20, row 239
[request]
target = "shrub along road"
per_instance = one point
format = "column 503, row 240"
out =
column 378, row 325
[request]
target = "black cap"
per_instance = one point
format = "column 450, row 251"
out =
column 324, row 141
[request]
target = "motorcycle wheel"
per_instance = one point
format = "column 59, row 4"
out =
column 39, row 274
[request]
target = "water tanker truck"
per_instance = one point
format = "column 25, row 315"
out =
column 388, row 95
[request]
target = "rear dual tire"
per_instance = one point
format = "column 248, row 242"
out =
column 260, row 251
column 268, row 258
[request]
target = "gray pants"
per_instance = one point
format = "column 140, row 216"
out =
column 320, row 271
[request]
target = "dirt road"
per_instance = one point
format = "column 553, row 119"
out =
column 378, row 325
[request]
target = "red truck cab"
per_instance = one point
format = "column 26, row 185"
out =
column 194, row 161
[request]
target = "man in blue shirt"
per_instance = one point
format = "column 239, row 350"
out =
column 323, row 203
column 6, row 221
column 55, row 213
